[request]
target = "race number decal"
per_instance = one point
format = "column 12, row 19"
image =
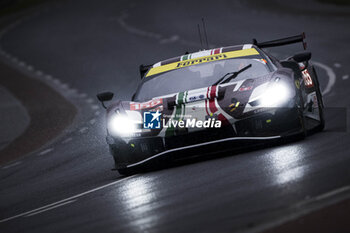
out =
column 307, row 79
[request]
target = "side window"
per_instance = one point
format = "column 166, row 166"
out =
column 273, row 60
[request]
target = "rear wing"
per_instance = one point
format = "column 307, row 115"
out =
column 282, row 41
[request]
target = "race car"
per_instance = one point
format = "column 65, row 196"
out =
column 213, row 100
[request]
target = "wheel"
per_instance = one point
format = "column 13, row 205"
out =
column 118, row 159
column 303, row 130
column 321, row 126
column 300, row 109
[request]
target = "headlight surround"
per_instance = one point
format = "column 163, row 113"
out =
column 276, row 95
column 122, row 126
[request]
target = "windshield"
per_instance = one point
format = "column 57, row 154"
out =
column 198, row 76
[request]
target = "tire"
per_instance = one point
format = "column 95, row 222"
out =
column 321, row 126
column 300, row 109
column 303, row 130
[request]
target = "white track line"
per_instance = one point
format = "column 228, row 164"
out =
column 64, row 86
column 331, row 76
column 12, row 165
column 330, row 194
column 136, row 31
column 49, row 208
column 67, row 140
column 39, row 72
column 83, row 130
column 73, row 90
column 67, row 199
column 48, row 77
column 57, row 81
column 159, row 37
column 46, row 151
column 337, row 65
column 171, row 39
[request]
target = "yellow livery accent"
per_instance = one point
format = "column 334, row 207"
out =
column 196, row 61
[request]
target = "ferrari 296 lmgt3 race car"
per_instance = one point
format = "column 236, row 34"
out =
column 212, row 99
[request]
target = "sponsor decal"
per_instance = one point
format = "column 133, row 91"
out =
column 159, row 108
column 195, row 98
column 146, row 105
column 307, row 79
column 263, row 61
column 297, row 84
column 190, row 96
column 151, row 120
column 215, row 51
column 200, row 60
column 245, row 88
column 233, row 106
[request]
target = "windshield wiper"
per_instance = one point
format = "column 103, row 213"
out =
column 232, row 75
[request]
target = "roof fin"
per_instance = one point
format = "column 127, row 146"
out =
column 205, row 33
column 200, row 36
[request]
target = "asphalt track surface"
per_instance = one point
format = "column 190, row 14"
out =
column 84, row 47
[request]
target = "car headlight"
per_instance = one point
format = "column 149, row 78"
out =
column 122, row 126
column 276, row 95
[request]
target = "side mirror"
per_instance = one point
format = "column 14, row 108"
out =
column 302, row 57
column 104, row 96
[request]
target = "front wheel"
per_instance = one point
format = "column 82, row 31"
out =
column 321, row 126
column 301, row 116
column 303, row 131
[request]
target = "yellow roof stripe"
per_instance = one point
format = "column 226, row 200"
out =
column 200, row 60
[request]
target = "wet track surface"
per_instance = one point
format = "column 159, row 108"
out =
column 92, row 46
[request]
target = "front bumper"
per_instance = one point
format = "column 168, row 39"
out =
column 245, row 132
